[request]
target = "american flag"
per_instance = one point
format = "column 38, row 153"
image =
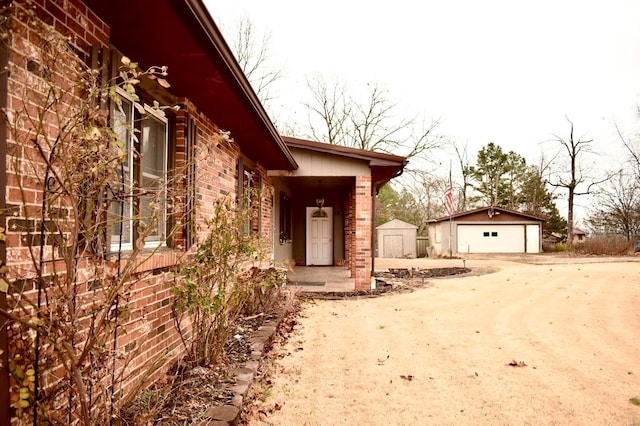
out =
column 449, row 201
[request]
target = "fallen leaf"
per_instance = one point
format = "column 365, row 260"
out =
column 381, row 361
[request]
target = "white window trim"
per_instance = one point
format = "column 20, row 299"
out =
column 117, row 245
column 130, row 185
column 160, row 116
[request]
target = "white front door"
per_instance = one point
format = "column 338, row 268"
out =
column 319, row 236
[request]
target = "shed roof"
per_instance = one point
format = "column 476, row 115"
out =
column 578, row 231
column 182, row 35
column 397, row 224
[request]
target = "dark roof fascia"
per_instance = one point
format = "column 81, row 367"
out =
column 203, row 16
column 468, row 212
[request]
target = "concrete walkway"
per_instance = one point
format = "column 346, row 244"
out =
column 321, row 279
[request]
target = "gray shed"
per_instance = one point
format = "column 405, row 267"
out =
column 396, row 239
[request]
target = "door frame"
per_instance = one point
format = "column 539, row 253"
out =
column 532, row 238
column 308, row 212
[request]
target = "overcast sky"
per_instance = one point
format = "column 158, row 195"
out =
column 502, row 71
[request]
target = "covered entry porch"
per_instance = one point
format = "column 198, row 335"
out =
column 318, row 231
column 323, row 213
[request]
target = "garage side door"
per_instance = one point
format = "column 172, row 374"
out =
column 533, row 238
column 491, row 238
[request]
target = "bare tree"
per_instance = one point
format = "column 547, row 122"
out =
column 429, row 190
column 288, row 127
column 254, row 55
column 420, row 198
column 573, row 176
column 634, row 151
column 329, row 104
column 372, row 122
column 464, row 161
column 618, row 207
column 536, row 196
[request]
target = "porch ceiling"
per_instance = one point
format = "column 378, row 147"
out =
column 384, row 167
column 319, row 183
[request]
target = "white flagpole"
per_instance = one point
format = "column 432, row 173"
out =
column 450, row 215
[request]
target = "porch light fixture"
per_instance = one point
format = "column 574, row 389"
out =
column 319, row 201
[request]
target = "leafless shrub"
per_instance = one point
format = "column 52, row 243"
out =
column 612, row 245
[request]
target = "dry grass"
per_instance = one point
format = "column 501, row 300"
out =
column 605, row 245
column 554, row 247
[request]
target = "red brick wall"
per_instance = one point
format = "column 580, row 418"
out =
column 358, row 221
column 147, row 330
column 349, row 231
column 27, row 62
column 363, row 217
column 266, row 195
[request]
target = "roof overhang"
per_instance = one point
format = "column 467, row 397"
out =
column 182, row 35
column 384, row 167
column 491, row 210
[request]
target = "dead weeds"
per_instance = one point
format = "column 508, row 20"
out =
column 185, row 393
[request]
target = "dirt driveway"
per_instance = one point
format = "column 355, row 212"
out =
column 441, row 355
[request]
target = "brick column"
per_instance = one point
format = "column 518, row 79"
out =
column 361, row 268
column 349, row 230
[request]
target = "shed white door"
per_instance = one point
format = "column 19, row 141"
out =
column 393, row 246
column 319, row 236
column 491, row 238
column 533, row 238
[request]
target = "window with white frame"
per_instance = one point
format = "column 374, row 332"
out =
column 122, row 208
column 139, row 213
column 248, row 199
column 153, row 177
column 249, row 196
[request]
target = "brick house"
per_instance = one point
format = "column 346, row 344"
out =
column 219, row 139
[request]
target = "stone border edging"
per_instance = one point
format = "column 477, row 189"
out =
column 229, row 415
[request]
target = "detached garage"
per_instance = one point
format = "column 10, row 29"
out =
column 396, row 239
column 486, row 230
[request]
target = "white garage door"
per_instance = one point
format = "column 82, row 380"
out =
column 491, row 238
